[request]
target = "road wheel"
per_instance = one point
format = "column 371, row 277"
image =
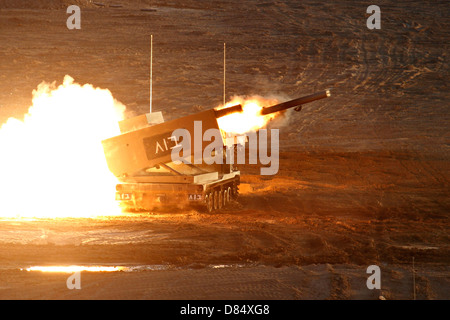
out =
column 216, row 200
column 209, row 201
column 235, row 192
column 220, row 200
column 228, row 195
column 225, row 197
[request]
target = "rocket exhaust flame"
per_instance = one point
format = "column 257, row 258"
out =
column 52, row 162
column 72, row 269
column 250, row 119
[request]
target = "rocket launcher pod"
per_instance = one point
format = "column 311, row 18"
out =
column 295, row 102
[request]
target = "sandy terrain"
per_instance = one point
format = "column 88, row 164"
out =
column 364, row 176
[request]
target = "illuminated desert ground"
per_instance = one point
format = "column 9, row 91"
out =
column 363, row 177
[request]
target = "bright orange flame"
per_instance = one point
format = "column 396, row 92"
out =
column 52, row 163
column 72, row 269
column 249, row 119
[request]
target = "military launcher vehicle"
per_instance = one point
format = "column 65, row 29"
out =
column 141, row 158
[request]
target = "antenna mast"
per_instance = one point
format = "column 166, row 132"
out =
column 224, row 70
column 151, row 70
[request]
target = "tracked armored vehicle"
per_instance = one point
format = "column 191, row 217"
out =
column 141, row 158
